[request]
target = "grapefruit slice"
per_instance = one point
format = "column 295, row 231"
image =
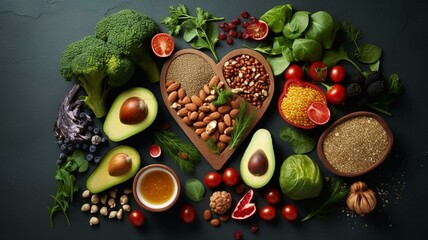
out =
column 318, row 113
column 245, row 208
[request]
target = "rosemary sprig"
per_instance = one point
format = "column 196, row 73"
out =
column 185, row 155
column 242, row 123
column 337, row 192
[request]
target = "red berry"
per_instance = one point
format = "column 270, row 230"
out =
column 232, row 33
column 231, row 25
column 245, row 36
column 244, row 14
column 253, row 20
column 238, row 34
column 236, row 21
column 222, row 36
column 245, row 24
column 229, row 40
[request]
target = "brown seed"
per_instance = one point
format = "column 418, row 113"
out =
column 204, row 108
column 221, row 146
column 182, row 112
column 212, row 107
column 181, row 93
column 186, row 100
column 215, row 135
column 173, row 87
column 199, row 131
column 215, row 115
column 172, row 97
column 227, row 119
column 201, row 116
column 221, row 127
column 207, row 215
column 191, row 107
column 215, row 222
column 224, row 138
column 194, row 116
column 228, row 131
column 224, row 109
column 202, row 94
column 196, row 100
column 205, row 136
column 233, row 113
column 199, row 124
column 214, row 81
column 207, row 89
column 207, row 119
column 169, row 83
column 187, row 121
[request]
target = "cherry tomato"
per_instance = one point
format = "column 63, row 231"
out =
column 336, row 94
column 230, row 177
column 162, row 44
column 267, row 213
column 187, row 214
column 337, row 73
column 213, row 179
column 137, row 218
column 289, row 212
column 258, row 30
column 318, row 113
column 318, row 71
column 294, row 71
column 272, row 196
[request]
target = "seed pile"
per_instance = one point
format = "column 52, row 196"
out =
column 248, row 78
column 356, row 144
column 106, row 205
column 295, row 104
column 191, row 71
column 199, row 112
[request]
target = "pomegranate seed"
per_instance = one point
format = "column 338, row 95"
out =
column 245, row 24
column 231, row 25
column 222, row 36
column 244, row 14
column 253, row 19
column 254, row 228
column 229, row 40
column 245, row 36
column 237, row 235
column 232, row 33
column 224, row 27
column 236, row 21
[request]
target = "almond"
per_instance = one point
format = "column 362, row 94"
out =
column 181, row 93
column 207, row 89
column 169, row 83
column 224, row 218
column 172, row 97
column 228, row 131
column 201, row 116
column 173, row 87
column 202, row 94
column 205, row 136
column 221, row 126
column 119, row 164
column 227, row 119
column 207, row 119
column 215, row 135
column 186, row 100
column 199, row 131
column 215, row 222
column 182, row 112
column 233, row 113
column 224, row 138
column 212, row 107
column 199, row 124
column 224, row 109
column 187, row 121
column 194, row 116
column 207, row 215
column 214, row 81
column 221, row 146
column 196, row 100
column 204, row 108
column 235, row 104
column 191, row 107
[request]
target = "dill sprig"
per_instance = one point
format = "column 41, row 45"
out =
column 185, row 155
column 223, row 96
column 337, row 192
column 242, row 123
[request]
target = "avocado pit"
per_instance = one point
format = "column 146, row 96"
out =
column 258, row 163
column 119, row 164
column 133, row 110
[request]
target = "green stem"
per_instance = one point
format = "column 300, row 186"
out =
column 380, row 110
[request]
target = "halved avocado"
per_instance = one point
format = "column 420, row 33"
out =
column 258, row 162
column 100, row 179
column 115, row 129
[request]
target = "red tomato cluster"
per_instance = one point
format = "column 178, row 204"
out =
column 214, row 179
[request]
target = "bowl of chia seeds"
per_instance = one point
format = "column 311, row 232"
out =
column 355, row 144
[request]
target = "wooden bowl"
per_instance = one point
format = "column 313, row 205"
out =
column 348, row 147
column 137, row 187
column 215, row 160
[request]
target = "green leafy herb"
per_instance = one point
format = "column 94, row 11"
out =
column 300, row 142
column 200, row 30
column 242, row 123
column 183, row 154
column 195, row 190
column 395, row 88
column 66, row 185
column 337, row 192
column 223, row 96
column 213, row 146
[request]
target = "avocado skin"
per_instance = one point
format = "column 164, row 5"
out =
column 261, row 140
column 100, row 179
column 117, row 131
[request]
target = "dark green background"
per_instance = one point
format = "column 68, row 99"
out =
column 33, row 35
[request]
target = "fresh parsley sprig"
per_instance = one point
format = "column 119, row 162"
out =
column 200, row 30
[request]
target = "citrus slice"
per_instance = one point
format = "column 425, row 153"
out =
column 258, row 30
column 318, row 113
column 162, row 44
column 244, row 209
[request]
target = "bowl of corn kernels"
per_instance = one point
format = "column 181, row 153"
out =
column 296, row 104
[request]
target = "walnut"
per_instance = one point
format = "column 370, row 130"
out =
column 220, row 202
column 361, row 199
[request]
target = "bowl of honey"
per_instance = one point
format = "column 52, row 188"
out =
column 156, row 187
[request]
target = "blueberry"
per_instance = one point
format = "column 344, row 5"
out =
column 96, row 131
column 70, row 147
column 60, row 142
column 78, row 146
column 63, row 147
column 97, row 159
column 62, row 156
column 103, row 139
column 90, row 128
column 92, row 148
column 85, row 146
column 89, row 157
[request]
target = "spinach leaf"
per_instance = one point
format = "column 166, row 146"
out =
column 279, row 63
column 300, row 142
column 195, row 190
column 280, row 44
column 368, row 53
column 263, row 47
column 395, row 87
column 307, row 50
column 322, row 29
column 332, row 57
column 297, row 25
column 277, row 17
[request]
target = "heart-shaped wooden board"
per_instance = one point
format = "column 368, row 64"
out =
column 188, row 86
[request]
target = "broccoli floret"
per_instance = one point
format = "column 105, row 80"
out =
column 91, row 61
column 130, row 32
